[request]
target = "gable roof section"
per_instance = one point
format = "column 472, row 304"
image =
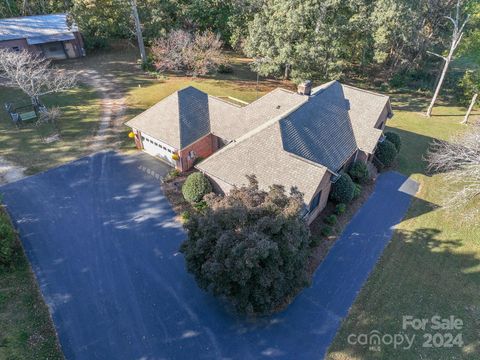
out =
column 365, row 110
column 261, row 153
column 189, row 114
column 37, row 29
column 178, row 120
column 320, row 130
column 194, row 118
column 230, row 122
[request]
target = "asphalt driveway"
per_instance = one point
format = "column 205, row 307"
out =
column 104, row 247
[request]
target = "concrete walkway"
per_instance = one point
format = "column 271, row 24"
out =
column 103, row 244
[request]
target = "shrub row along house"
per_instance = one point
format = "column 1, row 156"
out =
column 301, row 140
column 49, row 35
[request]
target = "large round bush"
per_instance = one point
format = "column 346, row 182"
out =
column 195, row 187
column 250, row 247
column 343, row 189
column 386, row 152
column 395, row 139
column 358, row 171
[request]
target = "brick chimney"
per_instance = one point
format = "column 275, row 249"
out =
column 305, row 88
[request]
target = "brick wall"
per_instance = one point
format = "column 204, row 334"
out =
column 202, row 148
column 324, row 186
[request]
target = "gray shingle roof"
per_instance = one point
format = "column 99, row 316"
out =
column 35, row 27
column 298, row 147
column 365, row 109
column 193, row 114
column 189, row 114
column 230, row 122
column 261, row 153
column 320, row 130
column 283, row 138
column 178, row 120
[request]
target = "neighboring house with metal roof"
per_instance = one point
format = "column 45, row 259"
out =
column 285, row 138
column 50, row 35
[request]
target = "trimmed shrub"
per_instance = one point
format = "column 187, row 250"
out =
column 342, row 189
column 326, row 231
column 357, row 191
column 340, row 209
column 7, row 241
column 330, row 220
column 358, row 171
column 386, row 152
column 195, row 187
column 395, row 139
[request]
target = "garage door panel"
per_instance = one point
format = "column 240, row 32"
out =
column 156, row 148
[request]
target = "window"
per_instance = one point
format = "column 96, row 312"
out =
column 16, row 48
column 143, row 138
column 192, row 154
column 315, row 201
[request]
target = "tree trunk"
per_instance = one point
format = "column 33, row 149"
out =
column 138, row 29
column 287, row 71
column 439, row 85
column 470, row 108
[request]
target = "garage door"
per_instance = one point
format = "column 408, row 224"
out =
column 156, row 148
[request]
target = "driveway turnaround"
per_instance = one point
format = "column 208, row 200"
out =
column 103, row 243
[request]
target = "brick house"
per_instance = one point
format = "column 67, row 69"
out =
column 50, row 35
column 301, row 140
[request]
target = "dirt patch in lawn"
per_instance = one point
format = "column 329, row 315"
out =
column 10, row 172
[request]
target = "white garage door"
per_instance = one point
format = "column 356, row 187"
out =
column 158, row 149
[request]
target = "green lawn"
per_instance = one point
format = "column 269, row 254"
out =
column 26, row 331
column 26, row 146
column 240, row 84
column 432, row 265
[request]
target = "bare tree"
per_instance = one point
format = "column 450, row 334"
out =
column 138, row 30
column 456, row 38
column 168, row 51
column 204, row 54
column 459, row 159
column 197, row 54
column 470, row 108
column 33, row 74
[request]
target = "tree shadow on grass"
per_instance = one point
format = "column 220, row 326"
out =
column 409, row 101
column 411, row 160
column 420, row 274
